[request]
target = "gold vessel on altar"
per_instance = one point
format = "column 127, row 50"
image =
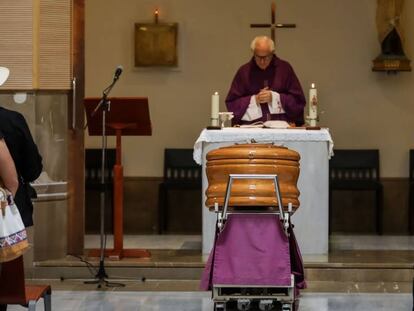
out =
column 252, row 159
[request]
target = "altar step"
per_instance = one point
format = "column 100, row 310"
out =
column 342, row 271
column 360, row 278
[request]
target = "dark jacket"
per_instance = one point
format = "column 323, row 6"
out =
column 26, row 157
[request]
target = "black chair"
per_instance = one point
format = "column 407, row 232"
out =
column 180, row 172
column 93, row 188
column 356, row 170
column 411, row 194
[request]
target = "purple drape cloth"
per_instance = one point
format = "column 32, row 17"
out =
column 253, row 250
column 279, row 77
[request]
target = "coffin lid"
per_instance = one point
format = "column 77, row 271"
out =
column 253, row 151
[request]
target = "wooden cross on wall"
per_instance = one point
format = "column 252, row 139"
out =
column 273, row 24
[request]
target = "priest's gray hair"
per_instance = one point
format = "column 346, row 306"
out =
column 262, row 38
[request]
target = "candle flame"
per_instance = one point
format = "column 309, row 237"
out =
column 313, row 85
column 156, row 16
column 215, row 93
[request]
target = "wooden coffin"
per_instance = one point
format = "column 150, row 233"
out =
column 252, row 159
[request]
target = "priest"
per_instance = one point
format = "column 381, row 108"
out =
column 266, row 88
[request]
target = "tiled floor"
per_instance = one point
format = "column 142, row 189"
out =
column 200, row 301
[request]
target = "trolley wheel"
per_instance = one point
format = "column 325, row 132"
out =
column 287, row 307
column 266, row 305
column 220, row 306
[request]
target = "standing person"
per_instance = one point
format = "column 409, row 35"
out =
column 25, row 154
column 26, row 158
column 266, row 88
column 20, row 161
column 8, row 177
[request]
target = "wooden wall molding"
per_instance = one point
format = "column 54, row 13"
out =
column 76, row 136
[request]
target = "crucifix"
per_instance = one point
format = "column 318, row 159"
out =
column 273, row 24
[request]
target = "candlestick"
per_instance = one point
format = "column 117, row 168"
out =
column 215, row 102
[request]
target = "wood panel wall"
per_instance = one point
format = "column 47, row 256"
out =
column 55, row 24
column 35, row 44
column 16, row 42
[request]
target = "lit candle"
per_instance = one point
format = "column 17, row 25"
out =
column 313, row 102
column 156, row 16
column 215, row 100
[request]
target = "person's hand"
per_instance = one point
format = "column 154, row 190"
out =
column 264, row 96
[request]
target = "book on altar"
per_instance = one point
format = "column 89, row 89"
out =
column 274, row 124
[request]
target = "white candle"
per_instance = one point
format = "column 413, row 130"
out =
column 215, row 101
column 313, row 102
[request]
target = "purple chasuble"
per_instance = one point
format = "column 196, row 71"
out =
column 253, row 250
column 279, row 77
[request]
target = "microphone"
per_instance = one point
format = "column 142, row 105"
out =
column 118, row 72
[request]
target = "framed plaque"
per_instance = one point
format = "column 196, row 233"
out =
column 156, row 45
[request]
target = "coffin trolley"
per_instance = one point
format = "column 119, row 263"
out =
column 253, row 297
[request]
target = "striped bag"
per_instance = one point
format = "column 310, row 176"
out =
column 13, row 236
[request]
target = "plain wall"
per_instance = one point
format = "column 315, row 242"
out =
column 333, row 46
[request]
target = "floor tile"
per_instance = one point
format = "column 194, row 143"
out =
column 201, row 301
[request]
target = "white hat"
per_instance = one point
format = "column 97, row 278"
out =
column 4, row 74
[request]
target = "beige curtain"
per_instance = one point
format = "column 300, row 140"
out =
column 388, row 17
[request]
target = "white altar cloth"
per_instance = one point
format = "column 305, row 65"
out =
column 315, row 147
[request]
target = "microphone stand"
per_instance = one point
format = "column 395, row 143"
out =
column 105, row 105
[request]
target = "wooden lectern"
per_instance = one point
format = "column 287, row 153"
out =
column 128, row 116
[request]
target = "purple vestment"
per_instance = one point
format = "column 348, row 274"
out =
column 253, row 250
column 279, row 77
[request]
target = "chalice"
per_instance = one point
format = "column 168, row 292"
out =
column 224, row 117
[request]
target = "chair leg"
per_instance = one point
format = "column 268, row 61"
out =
column 161, row 208
column 48, row 302
column 379, row 204
column 411, row 210
column 166, row 207
column 330, row 212
column 31, row 306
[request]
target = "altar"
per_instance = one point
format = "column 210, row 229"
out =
column 315, row 147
